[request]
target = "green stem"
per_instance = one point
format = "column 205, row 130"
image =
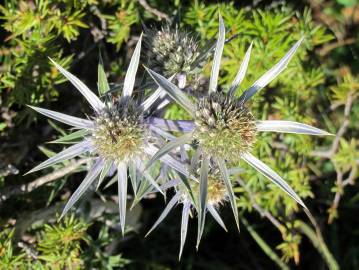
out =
column 320, row 245
column 263, row 245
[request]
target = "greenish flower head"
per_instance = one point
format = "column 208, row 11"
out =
column 225, row 128
column 119, row 133
column 171, row 51
column 216, row 189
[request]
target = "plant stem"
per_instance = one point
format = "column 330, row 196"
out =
column 263, row 245
column 320, row 245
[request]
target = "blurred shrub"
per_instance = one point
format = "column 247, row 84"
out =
column 59, row 246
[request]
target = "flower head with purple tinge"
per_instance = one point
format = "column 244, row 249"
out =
column 224, row 130
column 118, row 137
column 172, row 51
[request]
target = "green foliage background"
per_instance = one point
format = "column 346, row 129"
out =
column 319, row 87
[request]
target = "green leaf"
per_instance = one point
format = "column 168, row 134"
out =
column 69, row 138
column 106, row 168
column 2, row 126
column 145, row 188
column 347, row 3
column 102, row 83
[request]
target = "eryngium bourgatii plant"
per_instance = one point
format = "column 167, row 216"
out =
column 224, row 127
column 118, row 136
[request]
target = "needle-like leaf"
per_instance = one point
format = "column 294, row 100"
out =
column 173, row 91
column 148, row 176
column 71, row 152
column 241, row 72
column 170, row 184
column 64, row 118
column 165, row 212
column 184, row 225
column 271, row 175
column 202, row 199
column 86, row 183
column 216, row 216
column 133, row 175
column 132, row 70
column 111, row 182
column 69, row 138
column 289, row 127
column 271, row 74
column 170, row 161
column 104, row 172
column 217, row 56
column 122, row 193
column 158, row 94
column 171, row 125
column 227, row 182
column 95, row 102
column 205, row 53
column 144, row 189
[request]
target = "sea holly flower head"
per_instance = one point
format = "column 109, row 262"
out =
column 119, row 131
column 170, row 50
column 216, row 189
column 225, row 127
column 173, row 52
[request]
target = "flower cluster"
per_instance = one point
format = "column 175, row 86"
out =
column 126, row 135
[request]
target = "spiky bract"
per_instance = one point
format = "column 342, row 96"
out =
column 225, row 128
column 119, row 133
column 171, row 51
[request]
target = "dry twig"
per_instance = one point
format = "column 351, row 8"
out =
column 343, row 128
column 329, row 154
column 7, row 192
column 154, row 11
